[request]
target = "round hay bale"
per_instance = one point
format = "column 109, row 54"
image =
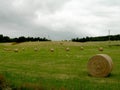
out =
column 81, row 48
column 67, row 49
column 7, row 49
column 100, row 49
column 100, row 65
column 52, row 50
column 16, row 50
column 36, row 49
column 61, row 43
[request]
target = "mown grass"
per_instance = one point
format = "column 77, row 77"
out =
column 58, row 70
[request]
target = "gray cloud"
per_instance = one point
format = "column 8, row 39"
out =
column 63, row 19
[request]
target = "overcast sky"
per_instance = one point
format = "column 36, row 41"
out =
column 59, row 19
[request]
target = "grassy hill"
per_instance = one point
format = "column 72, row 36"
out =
column 42, row 69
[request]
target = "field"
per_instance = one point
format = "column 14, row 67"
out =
column 42, row 69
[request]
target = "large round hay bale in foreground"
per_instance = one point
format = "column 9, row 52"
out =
column 100, row 65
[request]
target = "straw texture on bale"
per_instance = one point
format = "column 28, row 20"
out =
column 100, row 65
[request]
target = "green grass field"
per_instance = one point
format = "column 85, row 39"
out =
column 58, row 70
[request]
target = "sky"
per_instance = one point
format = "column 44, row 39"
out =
column 59, row 19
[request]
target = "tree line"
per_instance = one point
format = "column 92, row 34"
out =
column 21, row 39
column 99, row 38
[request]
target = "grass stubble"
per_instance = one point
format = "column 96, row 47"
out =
column 60, row 70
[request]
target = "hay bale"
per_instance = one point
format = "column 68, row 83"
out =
column 52, row 50
column 100, row 65
column 61, row 43
column 6, row 49
column 16, row 50
column 35, row 49
column 100, row 49
column 81, row 48
column 67, row 49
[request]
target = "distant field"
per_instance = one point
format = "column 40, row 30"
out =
column 58, row 70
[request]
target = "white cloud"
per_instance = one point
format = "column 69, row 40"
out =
column 64, row 19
